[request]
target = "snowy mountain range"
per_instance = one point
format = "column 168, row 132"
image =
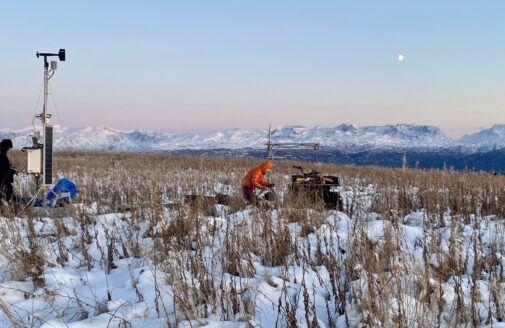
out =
column 345, row 137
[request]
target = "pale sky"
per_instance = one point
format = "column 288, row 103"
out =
column 196, row 66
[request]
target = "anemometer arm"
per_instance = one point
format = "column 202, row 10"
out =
column 60, row 54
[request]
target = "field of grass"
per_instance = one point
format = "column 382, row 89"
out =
column 410, row 248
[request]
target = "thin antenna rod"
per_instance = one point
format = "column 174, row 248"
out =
column 269, row 145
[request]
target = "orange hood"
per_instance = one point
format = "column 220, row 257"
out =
column 265, row 166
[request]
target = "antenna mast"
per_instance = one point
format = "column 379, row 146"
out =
column 47, row 130
column 271, row 147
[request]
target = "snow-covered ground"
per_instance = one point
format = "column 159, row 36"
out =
column 410, row 248
column 118, row 270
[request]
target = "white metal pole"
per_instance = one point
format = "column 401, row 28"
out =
column 44, row 124
column 44, row 121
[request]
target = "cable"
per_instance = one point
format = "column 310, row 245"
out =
column 37, row 105
column 55, row 107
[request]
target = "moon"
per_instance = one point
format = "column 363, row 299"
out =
column 400, row 57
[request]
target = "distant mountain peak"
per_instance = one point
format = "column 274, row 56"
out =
column 491, row 138
column 344, row 136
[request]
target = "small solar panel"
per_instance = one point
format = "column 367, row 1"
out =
column 48, row 150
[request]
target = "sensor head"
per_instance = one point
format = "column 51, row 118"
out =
column 61, row 54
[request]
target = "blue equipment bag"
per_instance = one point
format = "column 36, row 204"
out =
column 63, row 186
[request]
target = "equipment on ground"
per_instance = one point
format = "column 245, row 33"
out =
column 267, row 198
column 267, row 194
column 203, row 202
column 313, row 188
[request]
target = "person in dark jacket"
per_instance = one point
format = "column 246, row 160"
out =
column 7, row 172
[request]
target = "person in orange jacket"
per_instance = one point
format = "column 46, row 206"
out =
column 254, row 180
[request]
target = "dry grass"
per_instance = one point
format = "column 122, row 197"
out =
column 370, row 276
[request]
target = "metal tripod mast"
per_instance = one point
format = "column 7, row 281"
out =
column 271, row 147
column 47, row 131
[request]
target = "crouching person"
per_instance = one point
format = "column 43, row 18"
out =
column 255, row 180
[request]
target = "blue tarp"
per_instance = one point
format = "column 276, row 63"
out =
column 62, row 186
